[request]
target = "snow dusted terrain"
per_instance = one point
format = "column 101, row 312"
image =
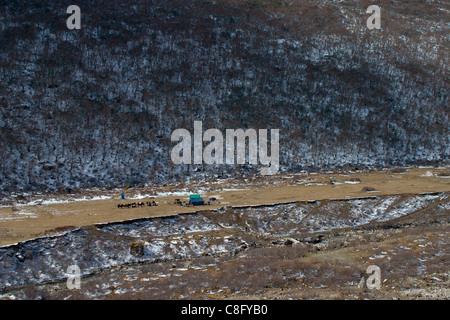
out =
column 205, row 233
column 96, row 107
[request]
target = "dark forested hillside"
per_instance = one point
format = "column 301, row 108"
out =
column 97, row 106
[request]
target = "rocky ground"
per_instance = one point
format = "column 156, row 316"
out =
column 300, row 250
column 28, row 216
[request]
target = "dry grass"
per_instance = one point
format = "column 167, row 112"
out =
column 411, row 257
column 260, row 190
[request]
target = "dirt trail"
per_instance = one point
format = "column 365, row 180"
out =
column 23, row 222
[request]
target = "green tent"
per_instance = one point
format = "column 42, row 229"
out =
column 196, row 200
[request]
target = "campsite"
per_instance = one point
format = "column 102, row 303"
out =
column 326, row 222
